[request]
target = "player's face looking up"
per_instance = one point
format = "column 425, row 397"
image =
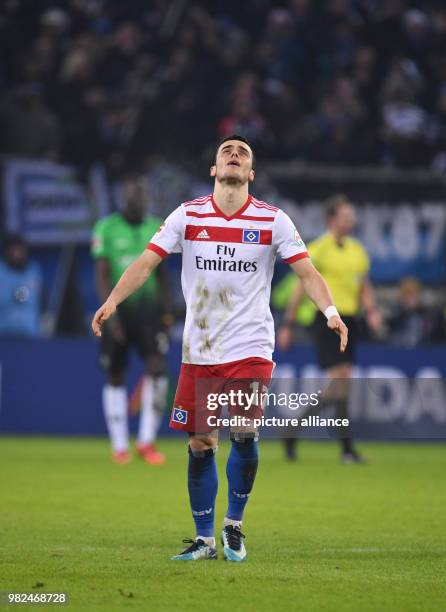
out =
column 135, row 196
column 233, row 163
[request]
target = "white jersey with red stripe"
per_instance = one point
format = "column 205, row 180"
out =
column 228, row 264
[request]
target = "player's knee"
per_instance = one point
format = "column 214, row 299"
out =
column 347, row 371
column 200, row 443
column 156, row 368
column 245, row 437
column 158, row 371
column 246, row 448
column 341, row 371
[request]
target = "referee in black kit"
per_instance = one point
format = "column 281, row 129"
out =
column 343, row 262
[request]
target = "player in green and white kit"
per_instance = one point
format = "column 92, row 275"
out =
column 141, row 322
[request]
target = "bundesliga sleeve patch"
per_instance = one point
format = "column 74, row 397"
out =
column 179, row 415
column 297, row 239
column 251, row 236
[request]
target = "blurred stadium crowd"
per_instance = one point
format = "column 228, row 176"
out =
column 149, row 87
column 345, row 81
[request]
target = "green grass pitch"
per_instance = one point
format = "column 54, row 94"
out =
column 320, row 535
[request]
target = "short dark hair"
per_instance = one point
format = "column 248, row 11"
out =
column 333, row 204
column 131, row 175
column 235, row 137
column 12, row 240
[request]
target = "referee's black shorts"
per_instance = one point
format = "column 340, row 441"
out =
column 327, row 342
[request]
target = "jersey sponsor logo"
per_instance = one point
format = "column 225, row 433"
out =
column 179, row 415
column 203, row 235
column 161, row 227
column 251, row 236
column 225, row 265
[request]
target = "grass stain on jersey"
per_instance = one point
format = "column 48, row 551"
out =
column 224, row 296
column 202, row 293
column 186, row 352
column 207, row 345
column 202, row 323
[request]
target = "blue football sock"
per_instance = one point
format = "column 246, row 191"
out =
column 202, row 484
column 241, row 472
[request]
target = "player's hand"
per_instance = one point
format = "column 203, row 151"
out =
column 168, row 320
column 340, row 328
column 102, row 314
column 374, row 320
column 284, row 337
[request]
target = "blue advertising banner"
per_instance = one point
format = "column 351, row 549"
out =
column 54, row 387
column 48, row 203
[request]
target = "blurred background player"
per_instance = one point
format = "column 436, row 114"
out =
column 413, row 321
column 344, row 263
column 20, row 291
column 141, row 322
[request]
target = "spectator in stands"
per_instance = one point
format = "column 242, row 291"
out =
column 439, row 160
column 244, row 119
column 359, row 82
column 413, row 321
column 28, row 127
column 20, row 291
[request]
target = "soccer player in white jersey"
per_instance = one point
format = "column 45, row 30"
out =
column 229, row 241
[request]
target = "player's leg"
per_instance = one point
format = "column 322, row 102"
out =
column 241, row 470
column 290, row 446
column 153, row 401
column 243, row 460
column 113, row 359
column 339, row 368
column 152, row 345
column 201, row 470
column 202, row 487
column 339, row 387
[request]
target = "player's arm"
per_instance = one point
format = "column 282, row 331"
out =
column 285, row 331
column 102, row 277
column 166, row 295
column 369, row 305
column 103, row 288
column 135, row 275
column 296, row 299
column 100, row 254
column 317, row 290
